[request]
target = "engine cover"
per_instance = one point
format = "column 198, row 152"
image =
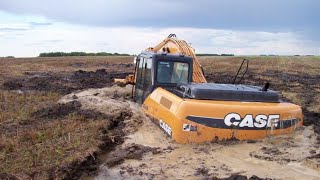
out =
column 226, row 92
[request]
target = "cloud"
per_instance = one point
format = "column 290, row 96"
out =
column 12, row 29
column 266, row 15
column 126, row 26
column 67, row 38
column 35, row 24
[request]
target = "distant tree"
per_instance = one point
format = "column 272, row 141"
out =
column 61, row 54
column 10, row 57
column 208, row 55
column 227, row 54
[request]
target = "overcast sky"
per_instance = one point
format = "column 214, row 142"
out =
column 242, row 27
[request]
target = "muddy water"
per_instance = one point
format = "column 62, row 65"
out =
column 286, row 159
column 281, row 157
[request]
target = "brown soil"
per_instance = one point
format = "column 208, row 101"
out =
column 58, row 111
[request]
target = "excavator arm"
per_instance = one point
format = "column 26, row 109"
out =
column 175, row 46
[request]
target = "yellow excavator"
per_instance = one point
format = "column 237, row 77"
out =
column 170, row 85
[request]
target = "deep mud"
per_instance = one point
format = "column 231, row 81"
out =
column 280, row 157
column 64, row 83
column 131, row 151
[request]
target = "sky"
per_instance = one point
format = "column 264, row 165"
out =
column 241, row 27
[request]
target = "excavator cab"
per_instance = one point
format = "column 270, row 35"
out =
column 160, row 70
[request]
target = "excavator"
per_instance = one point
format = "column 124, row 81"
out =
column 170, row 86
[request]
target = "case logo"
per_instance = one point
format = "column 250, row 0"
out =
column 165, row 127
column 259, row 121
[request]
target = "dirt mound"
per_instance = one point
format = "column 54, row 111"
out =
column 111, row 101
column 64, row 84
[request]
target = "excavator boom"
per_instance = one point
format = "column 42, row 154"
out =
column 176, row 46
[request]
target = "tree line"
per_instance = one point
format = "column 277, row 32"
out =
column 215, row 54
column 61, row 54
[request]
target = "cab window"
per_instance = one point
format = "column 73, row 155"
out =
column 147, row 73
column 172, row 72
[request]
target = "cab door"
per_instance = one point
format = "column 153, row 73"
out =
column 144, row 80
column 138, row 93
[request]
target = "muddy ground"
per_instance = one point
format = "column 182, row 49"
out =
column 134, row 148
column 65, row 83
column 303, row 84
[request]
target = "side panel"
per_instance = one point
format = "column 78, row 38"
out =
column 199, row 120
column 216, row 120
column 161, row 106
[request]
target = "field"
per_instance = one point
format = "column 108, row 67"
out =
column 63, row 118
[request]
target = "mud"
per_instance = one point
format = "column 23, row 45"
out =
column 132, row 151
column 109, row 103
column 280, row 157
column 312, row 118
column 134, row 148
column 112, row 104
column 64, row 83
column 241, row 177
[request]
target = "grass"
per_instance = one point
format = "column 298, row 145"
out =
column 39, row 148
column 289, row 64
column 31, row 148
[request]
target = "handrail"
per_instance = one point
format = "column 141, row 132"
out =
column 235, row 78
